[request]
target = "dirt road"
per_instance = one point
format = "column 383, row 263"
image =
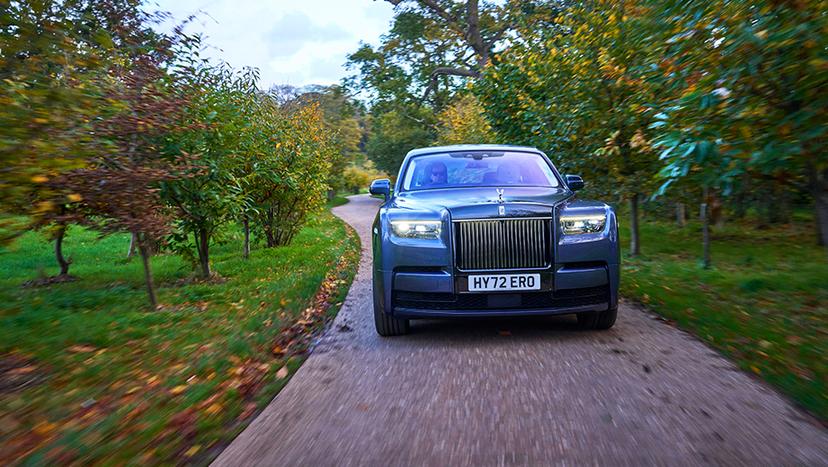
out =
column 519, row 392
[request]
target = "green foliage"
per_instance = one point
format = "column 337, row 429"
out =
column 214, row 130
column 396, row 132
column 431, row 51
column 749, row 89
column 345, row 120
column 302, row 150
column 464, row 122
column 581, row 95
column 55, row 64
column 109, row 124
column 356, row 179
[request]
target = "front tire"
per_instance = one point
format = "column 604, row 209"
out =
column 600, row 320
column 387, row 325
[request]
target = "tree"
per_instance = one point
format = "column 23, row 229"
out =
column 52, row 74
column 357, row 178
column 750, row 93
column 582, row 94
column 117, row 191
column 215, row 124
column 301, row 148
column 71, row 72
column 431, row 51
column 344, row 118
column 455, row 38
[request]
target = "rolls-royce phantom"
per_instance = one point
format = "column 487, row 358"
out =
column 490, row 230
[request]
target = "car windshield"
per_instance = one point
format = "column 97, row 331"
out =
column 478, row 168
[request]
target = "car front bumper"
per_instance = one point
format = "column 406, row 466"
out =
column 438, row 293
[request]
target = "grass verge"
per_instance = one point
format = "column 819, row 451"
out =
column 338, row 200
column 764, row 303
column 87, row 375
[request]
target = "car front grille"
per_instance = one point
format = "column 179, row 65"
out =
column 491, row 244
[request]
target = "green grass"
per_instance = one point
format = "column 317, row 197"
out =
column 338, row 200
column 116, row 382
column 764, row 303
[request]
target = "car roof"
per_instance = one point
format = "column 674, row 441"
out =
column 470, row 147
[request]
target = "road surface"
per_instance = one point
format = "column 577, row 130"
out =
column 519, row 392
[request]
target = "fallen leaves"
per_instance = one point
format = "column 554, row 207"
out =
column 294, row 339
column 184, row 392
column 44, row 428
column 249, row 409
column 18, row 372
column 793, row 340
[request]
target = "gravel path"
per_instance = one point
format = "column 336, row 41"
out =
column 519, row 392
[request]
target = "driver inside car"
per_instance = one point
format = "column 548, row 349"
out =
column 437, row 174
column 508, row 174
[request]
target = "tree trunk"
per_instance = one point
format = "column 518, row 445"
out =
column 715, row 209
column 705, row 233
column 203, row 248
column 131, row 250
column 64, row 264
column 819, row 190
column 777, row 203
column 246, row 224
column 741, row 200
column 270, row 236
column 681, row 214
column 145, row 252
column 635, row 241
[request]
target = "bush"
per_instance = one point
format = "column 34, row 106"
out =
column 302, row 154
column 357, row 178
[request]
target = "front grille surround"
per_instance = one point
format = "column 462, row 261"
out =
column 502, row 244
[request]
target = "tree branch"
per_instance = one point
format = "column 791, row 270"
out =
column 434, row 7
column 439, row 11
column 447, row 70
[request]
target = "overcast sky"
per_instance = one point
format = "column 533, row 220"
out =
column 291, row 42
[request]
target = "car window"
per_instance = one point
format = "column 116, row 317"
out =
column 478, row 168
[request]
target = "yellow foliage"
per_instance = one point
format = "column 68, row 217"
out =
column 464, row 122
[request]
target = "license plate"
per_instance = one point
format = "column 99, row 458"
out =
column 497, row 282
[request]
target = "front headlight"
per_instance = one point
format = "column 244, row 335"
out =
column 582, row 224
column 429, row 230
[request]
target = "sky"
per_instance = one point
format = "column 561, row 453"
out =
column 291, row 42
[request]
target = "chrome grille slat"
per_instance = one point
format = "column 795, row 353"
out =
column 493, row 244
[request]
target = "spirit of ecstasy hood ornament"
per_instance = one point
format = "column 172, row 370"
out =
column 499, row 195
column 501, row 209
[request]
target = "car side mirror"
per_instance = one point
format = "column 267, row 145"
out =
column 381, row 187
column 574, row 182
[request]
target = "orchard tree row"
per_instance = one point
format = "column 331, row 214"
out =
column 663, row 103
column 108, row 124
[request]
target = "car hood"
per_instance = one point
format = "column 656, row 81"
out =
column 483, row 202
